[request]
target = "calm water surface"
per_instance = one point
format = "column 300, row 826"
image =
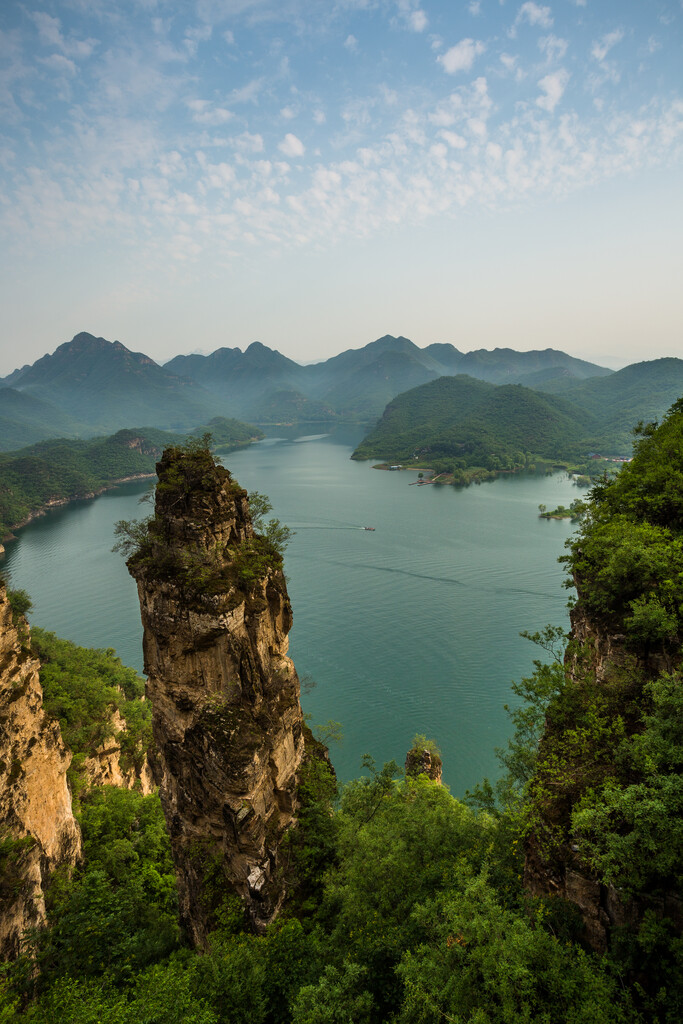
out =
column 412, row 628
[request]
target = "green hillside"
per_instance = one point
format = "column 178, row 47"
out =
column 25, row 419
column 52, row 472
column 461, row 422
column 642, row 391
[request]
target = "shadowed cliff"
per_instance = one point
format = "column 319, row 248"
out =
column 226, row 714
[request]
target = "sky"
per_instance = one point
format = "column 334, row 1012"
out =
column 182, row 175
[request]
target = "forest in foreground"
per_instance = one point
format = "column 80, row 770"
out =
column 407, row 904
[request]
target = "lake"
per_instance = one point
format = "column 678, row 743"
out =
column 410, row 628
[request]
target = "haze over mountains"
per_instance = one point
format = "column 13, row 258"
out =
column 92, row 386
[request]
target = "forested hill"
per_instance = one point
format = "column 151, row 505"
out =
column 467, row 422
column 98, row 386
column 105, row 386
column 459, row 422
column 25, row 420
column 53, row 472
column 641, row 391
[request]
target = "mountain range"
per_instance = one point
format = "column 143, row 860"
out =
column 90, row 385
column 501, row 399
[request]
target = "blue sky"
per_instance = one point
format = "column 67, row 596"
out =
column 313, row 174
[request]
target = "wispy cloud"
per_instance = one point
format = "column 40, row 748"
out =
column 552, row 88
column 462, row 56
column 601, row 47
column 534, row 14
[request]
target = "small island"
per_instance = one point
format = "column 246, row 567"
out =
column 575, row 512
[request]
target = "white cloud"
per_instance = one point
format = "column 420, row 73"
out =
column 351, row 43
column 247, row 93
column 553, row 87
column 319, row 116
column 287, row 113
column 292, row 146
column 511, row 65
column 474, row 7
column 418, row 21
column 56, row 62
column 454, row 140
column 50, row 34
column 553, row 47
column 247, row 143
column 205, row 113
column 196, row 35
column 461, row 57
column 601, row 48
column 534, row 14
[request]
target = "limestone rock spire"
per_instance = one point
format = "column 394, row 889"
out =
column 227, row 720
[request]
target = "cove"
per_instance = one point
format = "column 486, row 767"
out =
column 410, row 628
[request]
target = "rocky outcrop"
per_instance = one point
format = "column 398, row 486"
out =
column 38, row 831
column 422, row 761
column 104, row 767
column 226, row 715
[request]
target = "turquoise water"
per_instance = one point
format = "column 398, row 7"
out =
column 411, row 628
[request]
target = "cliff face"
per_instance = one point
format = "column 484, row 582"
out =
column 105, row 768
column 226, row 715
column 37, row 829
column 610, row 679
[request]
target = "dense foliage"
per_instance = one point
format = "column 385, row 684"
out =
column 55, row 471
column 627, row 558
column 607, row 778
column 467, row 428
column 84, row 689
column 408, row 922
column 406, row 905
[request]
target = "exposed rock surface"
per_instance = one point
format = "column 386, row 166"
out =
column 104, row 767
column 38, row 831
column 226, row 715
column 420, row 761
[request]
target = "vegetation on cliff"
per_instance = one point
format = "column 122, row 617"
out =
column 605, row 801
column 189, row 474
column 84, row 689
column 406, row 905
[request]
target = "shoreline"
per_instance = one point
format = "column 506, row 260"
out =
column 61, row 502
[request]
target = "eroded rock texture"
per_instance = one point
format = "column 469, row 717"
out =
column 104, row 767
column 38, row 831
column 226, row 714
column 421, row 761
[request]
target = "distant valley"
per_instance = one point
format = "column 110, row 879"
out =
column 494, row 409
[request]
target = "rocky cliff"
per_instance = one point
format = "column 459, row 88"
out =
column 37, row 829
column 585, row 750
column 106, row 768
column 226, row 715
